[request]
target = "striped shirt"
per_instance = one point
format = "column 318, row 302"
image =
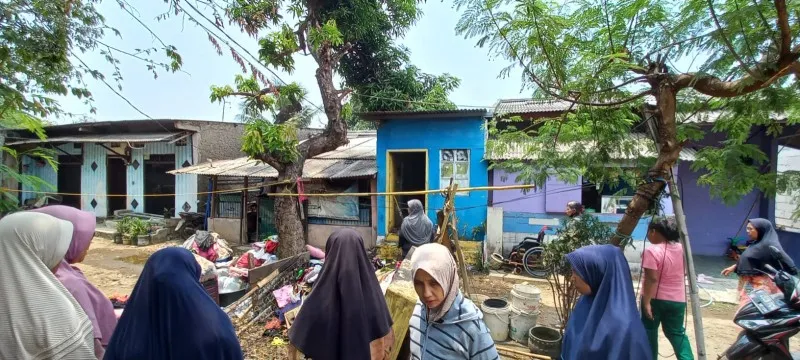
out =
column 460, row 334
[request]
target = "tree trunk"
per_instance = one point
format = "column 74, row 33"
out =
column 668, row 153
column 287, row 214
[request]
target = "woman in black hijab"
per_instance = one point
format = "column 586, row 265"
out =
column 345, row 316
column 758, row 254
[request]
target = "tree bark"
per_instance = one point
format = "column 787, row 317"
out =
column 670, row 148
column 287, row 214
column 287, row 211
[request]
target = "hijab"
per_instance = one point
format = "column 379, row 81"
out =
column 759, row 254
column 169, row 315
column 437, row 261
column 41, row 320
column 416, row 227
column 93, row 302
column 346, row 310
column 605, row 324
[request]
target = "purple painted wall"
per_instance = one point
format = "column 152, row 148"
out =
column 709, row 221
column 553, row 198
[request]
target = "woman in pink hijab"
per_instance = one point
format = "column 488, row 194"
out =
column 96, row 305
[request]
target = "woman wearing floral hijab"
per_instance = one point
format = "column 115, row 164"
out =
column 96, row 305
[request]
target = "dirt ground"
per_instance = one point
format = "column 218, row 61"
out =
column 114, row 269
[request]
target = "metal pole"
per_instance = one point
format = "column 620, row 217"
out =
column 680, row 218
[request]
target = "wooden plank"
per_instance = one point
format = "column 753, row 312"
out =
column 511, row 351
column 401, row 299
column 255, row 275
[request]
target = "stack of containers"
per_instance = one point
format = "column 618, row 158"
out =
column 524, row 311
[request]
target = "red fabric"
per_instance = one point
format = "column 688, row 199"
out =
column 271, row 246
column 300, row 190
column 210, row 254
column 246, row 260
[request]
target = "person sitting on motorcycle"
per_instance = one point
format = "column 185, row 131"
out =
column 664, row 289
column 753, row 260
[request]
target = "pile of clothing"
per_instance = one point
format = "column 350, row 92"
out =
column 209, row 246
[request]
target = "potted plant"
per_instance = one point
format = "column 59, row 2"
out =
column 123, row 231
column 573, row 233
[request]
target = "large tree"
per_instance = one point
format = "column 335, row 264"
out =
column 41, row 45
column 342, row 37
column 606, row 58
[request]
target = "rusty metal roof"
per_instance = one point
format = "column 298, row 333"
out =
column 94, row 138
column 354, row 160
column 640, row 146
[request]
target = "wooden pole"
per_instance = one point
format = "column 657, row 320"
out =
column 697, row 315
column 242, row 217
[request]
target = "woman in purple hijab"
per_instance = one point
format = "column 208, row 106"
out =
column 96, row 305
column 605, row 323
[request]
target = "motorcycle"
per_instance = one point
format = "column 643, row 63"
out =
column 189, row 224
column 769, row 320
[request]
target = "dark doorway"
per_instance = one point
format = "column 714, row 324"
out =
column 157, row 181
column 69, row 179
column 117, row 187
column 407, row 172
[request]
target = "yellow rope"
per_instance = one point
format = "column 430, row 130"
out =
column 417, row 192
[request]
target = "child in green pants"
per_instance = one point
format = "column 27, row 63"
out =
column 664, row 290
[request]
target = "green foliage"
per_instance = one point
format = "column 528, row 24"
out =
column 277, row 140
column 131, row 227
column 574, row 233
column 607, row 55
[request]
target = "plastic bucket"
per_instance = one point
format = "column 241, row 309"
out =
column 545, row 341
column 496, row 317
column 521, row 323
column 496, row 261
column 526, row 297
column 478, row 298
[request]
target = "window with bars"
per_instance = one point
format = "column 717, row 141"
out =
column 454, row 163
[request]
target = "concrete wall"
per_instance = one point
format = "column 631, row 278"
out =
column 228, row 229
column 318, row 234
column 435, row 135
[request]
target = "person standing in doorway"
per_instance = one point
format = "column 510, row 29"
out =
column 664, row 289
column 252, row 223
column 416, row 229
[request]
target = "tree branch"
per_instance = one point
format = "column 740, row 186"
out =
column 714, row 86
column 783, row 25
column 726, row 40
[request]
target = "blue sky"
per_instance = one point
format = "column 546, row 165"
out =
column 434, row 46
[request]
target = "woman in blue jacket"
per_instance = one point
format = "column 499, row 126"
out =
column 445, row 324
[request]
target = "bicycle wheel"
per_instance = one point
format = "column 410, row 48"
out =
column 533, row 263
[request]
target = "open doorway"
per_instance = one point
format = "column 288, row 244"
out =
column 407, row 170
column 157, row 181
column 117, row 185
column 69, row 179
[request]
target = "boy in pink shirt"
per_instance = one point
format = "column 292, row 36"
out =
column 664, row 290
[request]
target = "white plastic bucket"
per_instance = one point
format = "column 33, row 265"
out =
column 521, row 324
column 496, row 317
column 526, row 297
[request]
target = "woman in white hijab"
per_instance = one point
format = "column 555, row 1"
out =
column 41, row 320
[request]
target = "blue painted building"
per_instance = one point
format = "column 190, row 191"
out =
column 123, row 165
column 422, row 150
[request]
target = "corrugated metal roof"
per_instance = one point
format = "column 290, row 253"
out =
column 363, row 145
column 356, row 159
column 313, row 169
column 640, row 144
column 526, row 106
column 133, row 138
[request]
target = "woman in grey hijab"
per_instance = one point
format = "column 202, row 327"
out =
column 416, row 229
